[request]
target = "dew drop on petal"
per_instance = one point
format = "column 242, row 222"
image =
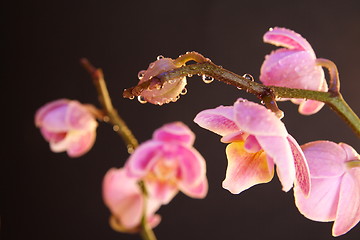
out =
column 189, row 75
column 159, row 57
column 141, row 74
column 207, row 79
column 184, row 91
column 271, row 29
column 239, row 88
column 141, row 99
column 248, row 76
column 172, row 81
column 132, row 97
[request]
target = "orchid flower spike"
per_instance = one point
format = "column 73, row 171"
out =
column 293, row 66
column 335, row 181
column 122, row 195
column 160, row 93
column 258, row 140
column 68, row 126
column 168, row 163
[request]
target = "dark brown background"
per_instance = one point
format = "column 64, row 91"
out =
column 50, row 196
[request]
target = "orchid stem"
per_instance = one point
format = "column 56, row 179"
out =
column 119, row 125
column 267, row 93
column 111, row 114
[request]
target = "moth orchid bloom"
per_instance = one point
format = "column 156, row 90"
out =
column 160, row 94
column 335, row 181
column 168, row 163
column 122, row 195
column 258, row 140
column 293, row 66
column 68, row 126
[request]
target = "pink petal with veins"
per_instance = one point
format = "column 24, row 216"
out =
column 348, row 213
column 278, row 149
column 256, row 120
column 301, row 167
column 322, row 203
column 245, row 169
column 219, row 120
column 325, row 159
column 143, row 158
column 177, row 132
column 287, row 38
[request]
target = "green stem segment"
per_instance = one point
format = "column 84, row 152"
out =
column 119, row 125
column 267, row 93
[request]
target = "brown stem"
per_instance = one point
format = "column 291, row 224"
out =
column 266, row 93
column 112, row 115
column 121, row 128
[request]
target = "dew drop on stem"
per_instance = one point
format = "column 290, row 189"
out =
column 159, row 57
column 207, row 79
column 248, row 76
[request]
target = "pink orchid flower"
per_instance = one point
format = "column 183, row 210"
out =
column 293, row 66
column 68, row 126
column 169, row 91
column 168, row 163
column 335, row 181
column 122, row 195
column 258, row 140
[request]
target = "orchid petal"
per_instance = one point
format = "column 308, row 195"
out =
column 321, row 204
column 78, row 117
column 278, row 149
column 348, row 213
column 287, row 38
column 245, row 169
column 351, row 153
column 123, row 197
column 192, row 166
column 219, row 120
column 198, row 191
column 325, row 159
column 162, row 191
column 83, row 142
column 142, row 160
column 308, row 107
column 49, row 107
column 301, row 166
column 293, row 69
column 255, row 119
column 177, row 132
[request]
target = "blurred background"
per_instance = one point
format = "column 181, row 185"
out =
column 51, row 196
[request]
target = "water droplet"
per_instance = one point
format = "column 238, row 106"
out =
column 132, row 97
column 159, row 57
column 141, row 99
column 239, row 88
column 271, row 29
column 207, row 79
column 189, row 75
column 280, row 114
column 248, row 76
column 262, row 102
column 141, row 74
column 106, row 119
column 116, row 128
column 184, row 91
column 130, row 148
column 172, row 81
